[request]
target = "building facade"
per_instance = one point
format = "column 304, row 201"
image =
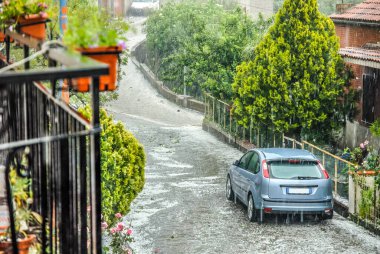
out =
column 359, row 31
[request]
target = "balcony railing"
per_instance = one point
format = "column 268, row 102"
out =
column 49, row 143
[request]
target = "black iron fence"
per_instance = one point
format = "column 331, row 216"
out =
column 46, row 141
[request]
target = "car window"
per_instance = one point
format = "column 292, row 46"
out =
column 244, row 161
column 291, row 170
column 254, row 164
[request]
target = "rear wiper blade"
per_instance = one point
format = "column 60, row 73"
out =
column 305, row 177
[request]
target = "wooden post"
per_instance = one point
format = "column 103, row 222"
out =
column 213, row 109
column 250, row 131
column 224, row 116
column 323, row 159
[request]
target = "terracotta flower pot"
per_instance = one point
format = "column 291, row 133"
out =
column 22, row 245
column 364, row 172
column 108, row 55
column 2, row 37
column 33, row 25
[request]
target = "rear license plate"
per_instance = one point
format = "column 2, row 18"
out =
column 304, row 191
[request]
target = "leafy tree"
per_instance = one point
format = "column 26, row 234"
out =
column 122, row 165
column 201, row 43
column 297, row 80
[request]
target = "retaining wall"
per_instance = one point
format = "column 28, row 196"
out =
column 138, row 58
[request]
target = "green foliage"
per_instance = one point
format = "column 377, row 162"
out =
column 13, row 9
column 366, row 203
column 100, row 29
column 375, row 128
column 202, row 38
column 122, row 165
column 297, row 80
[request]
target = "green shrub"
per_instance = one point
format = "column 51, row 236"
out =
column 122, row 165
column 200, row 43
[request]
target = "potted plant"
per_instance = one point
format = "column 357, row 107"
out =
column 24, row 217
column 27, row 16
column 101, row 37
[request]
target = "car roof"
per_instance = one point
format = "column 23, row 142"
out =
column 286, row 153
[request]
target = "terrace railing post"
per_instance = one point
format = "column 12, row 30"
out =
column 8, row 47
column 53, row 63
column 26, row 54
column 10, row 203
column 95, row 172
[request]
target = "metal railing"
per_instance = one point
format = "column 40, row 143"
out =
column 48, row 142
column 219, row 112
column 365, row 208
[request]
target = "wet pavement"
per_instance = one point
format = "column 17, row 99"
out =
column 183, row 208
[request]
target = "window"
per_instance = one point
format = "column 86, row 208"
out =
column 299, row 170
column 253, row 166
column 244, row 161
column 371, row 103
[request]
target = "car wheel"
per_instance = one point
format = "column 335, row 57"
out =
column 251, row 210
column 229, row 192
column 327, row 216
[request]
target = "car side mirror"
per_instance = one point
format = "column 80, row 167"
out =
column 235, row 163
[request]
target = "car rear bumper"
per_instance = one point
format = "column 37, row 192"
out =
column 305, row 206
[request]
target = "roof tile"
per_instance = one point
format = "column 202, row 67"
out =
column 370, row 55
column 367, row 11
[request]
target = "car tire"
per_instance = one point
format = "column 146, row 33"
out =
column 229, row 192
column 251, row 210
column 327, row 216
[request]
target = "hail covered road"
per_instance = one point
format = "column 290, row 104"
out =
column 183, row 208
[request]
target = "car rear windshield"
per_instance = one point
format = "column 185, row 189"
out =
column 293, row 169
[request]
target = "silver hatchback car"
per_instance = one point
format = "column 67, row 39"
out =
column 280, row 181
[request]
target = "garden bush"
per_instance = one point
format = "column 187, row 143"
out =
column 200, row 43
column 122, row 165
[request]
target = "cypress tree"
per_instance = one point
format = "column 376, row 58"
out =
column 296, row 79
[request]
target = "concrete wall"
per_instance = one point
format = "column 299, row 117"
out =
column 251, row 7
column 254, row 7
column 118, row 7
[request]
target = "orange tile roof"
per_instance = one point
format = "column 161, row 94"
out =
column 370, row 55
column 368, row 11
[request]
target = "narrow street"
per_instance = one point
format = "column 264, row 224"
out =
column 183, row 208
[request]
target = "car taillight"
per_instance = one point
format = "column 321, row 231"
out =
column 324, row 171
column 265, row 169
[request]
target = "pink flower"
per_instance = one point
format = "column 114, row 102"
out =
column 113, row 230
column 129, row 231
column 104, row 225
column 43, row 15
column 120, row 226
column 122, row 44
column 118, row 215
column 361, row 145
column 129, row 251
